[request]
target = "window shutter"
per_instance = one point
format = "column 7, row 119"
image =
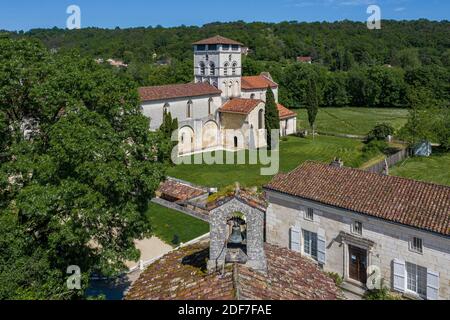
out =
column 295, row 239
column 432, row 285
column 321, row 249
column 399, row 275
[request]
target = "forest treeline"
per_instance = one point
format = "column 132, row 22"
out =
column 353, row 66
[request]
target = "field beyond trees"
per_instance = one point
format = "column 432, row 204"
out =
column 353, row 121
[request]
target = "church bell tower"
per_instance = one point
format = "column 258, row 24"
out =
column 218, row 61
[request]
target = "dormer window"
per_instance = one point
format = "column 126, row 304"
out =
column 309, row 214
column 416, row 245
column 357, row 228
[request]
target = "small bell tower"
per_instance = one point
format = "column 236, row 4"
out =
column 218, row 61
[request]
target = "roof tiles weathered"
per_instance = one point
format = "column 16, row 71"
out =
column 218, row 40
column 177, row 91
column 285, row 113
column 257, row 82
column 240, row 106
column 413, row 203
column 182, row 275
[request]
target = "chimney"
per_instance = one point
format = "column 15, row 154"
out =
column 337, row 162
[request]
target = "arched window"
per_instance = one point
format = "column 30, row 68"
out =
column 230, row 88
column 233, row 68
column 225, row 68
column 252, row 96
column 212, row 69
column 210, row 106
column 189, row 109
column 202, row 68
column 166, row 108
column 236, row 142
column 261, row 119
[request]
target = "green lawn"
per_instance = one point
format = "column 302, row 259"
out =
column 355, row 121
column 174, row 227
column 433, row 169
column 293, row 152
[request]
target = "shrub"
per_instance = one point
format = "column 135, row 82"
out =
column 381, row 294
column 336, row 277
column 380, row 132
column 375, row 146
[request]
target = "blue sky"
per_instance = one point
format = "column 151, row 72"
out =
column 28, row 14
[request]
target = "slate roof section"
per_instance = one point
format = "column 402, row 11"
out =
column 413, row 203
column 240, row 106
column 182, row 275
column 257, row 82
column 172, row 91
column 285, row 113
column 218, row 40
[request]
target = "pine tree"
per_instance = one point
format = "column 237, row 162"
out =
column 312, row 103
column 272, row 117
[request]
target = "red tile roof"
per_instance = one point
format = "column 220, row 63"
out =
column 181, row 275
column 218, row 40
column 409, row 202
column 304, row 59
column 285, row 113
column 177, row 91
column 257, row 82
column 240, row 106
column 173, row 190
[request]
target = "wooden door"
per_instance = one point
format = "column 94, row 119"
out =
column 357, row 264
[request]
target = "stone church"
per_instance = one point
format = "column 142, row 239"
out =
column 220, row 109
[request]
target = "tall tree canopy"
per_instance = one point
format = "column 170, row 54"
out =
column 77, row 169
column 272, row 117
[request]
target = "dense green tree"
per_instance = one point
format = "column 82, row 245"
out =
column 271, row 116
column 165, row 132
column 76, row 173
column 312, row 104
column 423, row 117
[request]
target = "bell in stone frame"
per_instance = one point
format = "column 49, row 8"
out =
column 236, row 234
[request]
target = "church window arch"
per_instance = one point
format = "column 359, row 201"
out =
column 166, row 108
column 225, row 68
column 202, row 68
column 230, row 88
column 233, row 68
column 252, row 96
column 189, row 109
column 212, row 68
column 261, row 119
column 210, row 106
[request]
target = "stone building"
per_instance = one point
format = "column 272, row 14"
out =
column 221, row 109
column 360, row 224
column 234, row 264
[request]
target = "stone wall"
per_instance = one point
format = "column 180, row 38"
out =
column 219, row 233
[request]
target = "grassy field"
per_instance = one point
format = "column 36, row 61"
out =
column 174, row 227
column 293, row 152
column 355, row 121
column 434, row 169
